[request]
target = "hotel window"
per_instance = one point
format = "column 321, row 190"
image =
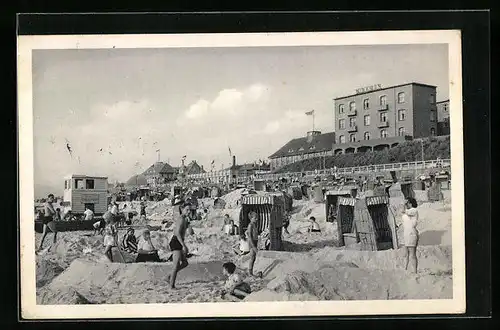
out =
column 433, row 115
column 341, row 139
column 401, row 115
column 432, row 99
column 383, row 133
column 401, row 97
column 352, row 122
column 312, row 147
column 433, row 131
column 352, row 106
column 341, row 108
column 290, row 150
column 367, row 120
column 383, row 100
column 383, row 117
column 401, row 131
column 352, row 138
column 367, row 135
column 301, row 149
column 342, row 123
column 366, row 104
column 445, row 108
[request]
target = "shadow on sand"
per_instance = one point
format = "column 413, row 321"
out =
column 304, row 247
column 431, row 237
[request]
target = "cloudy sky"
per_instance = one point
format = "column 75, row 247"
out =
column 117, row 107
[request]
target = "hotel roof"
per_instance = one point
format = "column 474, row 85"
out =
column 381, row 89
column 300, row 146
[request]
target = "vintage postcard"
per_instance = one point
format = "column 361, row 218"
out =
column 213, row 175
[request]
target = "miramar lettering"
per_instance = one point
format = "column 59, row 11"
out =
column 368, row 88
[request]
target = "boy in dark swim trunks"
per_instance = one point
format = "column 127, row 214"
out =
column 252, row 234
column 48, row 220
column 177, row 244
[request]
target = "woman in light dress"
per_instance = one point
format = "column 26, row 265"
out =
column 410, row 221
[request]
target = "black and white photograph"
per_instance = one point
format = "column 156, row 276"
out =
column 241, row 174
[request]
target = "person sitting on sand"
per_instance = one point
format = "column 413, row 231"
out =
column 234, row 285
column 243, row 246
column 204, row 215
column 110, row 235
column 410, row 221
column 314, row 226
column 129, row 241
column 252, row 234
column 146, row 250
column 228, row 227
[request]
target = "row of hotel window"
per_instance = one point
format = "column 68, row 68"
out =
column 382, row 102
column 383, row 135
column 383, row 118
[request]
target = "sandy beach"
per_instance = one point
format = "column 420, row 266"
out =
column 311, row 267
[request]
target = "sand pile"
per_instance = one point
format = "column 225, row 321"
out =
column 232, row 198
column 46, row 270
column 131, row 283
column 342, row 282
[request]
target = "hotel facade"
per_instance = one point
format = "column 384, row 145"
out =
column 372, row 119
column 374, row 115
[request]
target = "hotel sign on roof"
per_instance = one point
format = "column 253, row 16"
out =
column 368, row 88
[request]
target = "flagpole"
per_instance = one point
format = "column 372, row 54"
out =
column 313, row 120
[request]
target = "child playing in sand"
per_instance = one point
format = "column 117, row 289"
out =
column 234, row 285
column 110, row 235
column 410, row 220
column 314, row 227
column 243, row 246
column 146, row 250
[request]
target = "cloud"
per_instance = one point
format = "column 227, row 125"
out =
column 199, row 109
column 227, row 102
column 272, row 127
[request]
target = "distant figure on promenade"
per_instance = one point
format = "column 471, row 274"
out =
column 48, row 221
column 177, row 245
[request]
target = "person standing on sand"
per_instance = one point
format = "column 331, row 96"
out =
column 177, row 244
column 252, row 234
column 110, row 235
column 410, row 220
column 48, row 220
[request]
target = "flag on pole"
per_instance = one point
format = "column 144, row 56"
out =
column 184, row 157
column 157, row 150
column 310, row 113
column 230, row 153
column 213, row 161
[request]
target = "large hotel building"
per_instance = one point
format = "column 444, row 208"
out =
column 372, row 119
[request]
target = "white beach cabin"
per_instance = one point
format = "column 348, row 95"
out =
column 82, row 191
